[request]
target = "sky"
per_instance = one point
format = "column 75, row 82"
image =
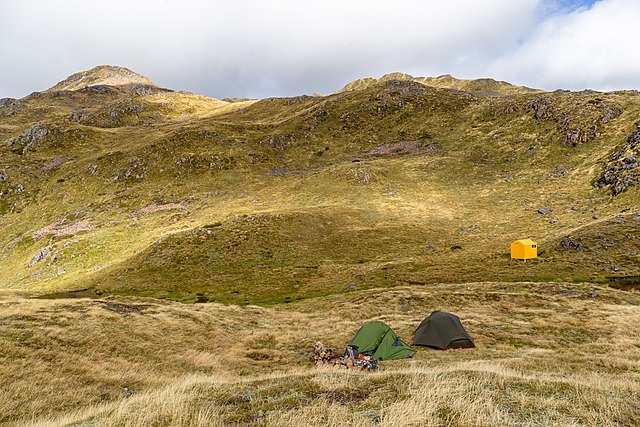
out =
column 260, row 48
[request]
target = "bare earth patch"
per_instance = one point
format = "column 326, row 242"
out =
column 63, row 228
column 149, row 209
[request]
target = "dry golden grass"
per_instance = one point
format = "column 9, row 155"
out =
column 543, row 358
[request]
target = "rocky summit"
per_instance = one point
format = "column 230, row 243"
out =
column 102, row 75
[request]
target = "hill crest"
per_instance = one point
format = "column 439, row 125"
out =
column 483, row 86
column 108, row 75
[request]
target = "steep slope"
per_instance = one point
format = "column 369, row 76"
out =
column 487, row 87
column 168, row 194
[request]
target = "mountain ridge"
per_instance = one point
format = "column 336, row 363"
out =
column 483, row 86
column 111, row 75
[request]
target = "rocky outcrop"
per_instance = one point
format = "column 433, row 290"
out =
column 111, row 115
column 29, row 139
column 41, row 256
column 542, row 108
column 571, row 244
column 10, row 106
column 578, row 117
column 623, row 169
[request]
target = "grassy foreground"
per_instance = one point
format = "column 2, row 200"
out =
column 548, row 354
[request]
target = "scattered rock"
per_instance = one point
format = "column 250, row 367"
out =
column 560, row 171
column 571, row 244
column 41, row 256
column 571, row 294
column 4, row 176
column 473, row 229
column 78, row 115
column 134, row 170
column 429, row 247
column 351, row 287
column 544, row 211
column 405, row 303
column 52, row 164
column 127, row 392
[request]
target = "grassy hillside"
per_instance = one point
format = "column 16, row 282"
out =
column 284, row 221
column 162, row 193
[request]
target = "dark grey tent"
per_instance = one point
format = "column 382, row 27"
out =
column 442, row 331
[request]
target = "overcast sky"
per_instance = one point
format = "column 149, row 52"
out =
column 260, row 48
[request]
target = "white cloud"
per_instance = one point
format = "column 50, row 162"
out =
column 284, row 47
column 589, row 48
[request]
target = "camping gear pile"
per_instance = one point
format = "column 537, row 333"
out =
column 323, row 356
column 376, row 341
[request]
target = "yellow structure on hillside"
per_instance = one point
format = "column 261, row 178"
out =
column 524, row 249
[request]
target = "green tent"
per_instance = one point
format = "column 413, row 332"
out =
column 378, row 340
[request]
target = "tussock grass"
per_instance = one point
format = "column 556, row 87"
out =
column 543, row 358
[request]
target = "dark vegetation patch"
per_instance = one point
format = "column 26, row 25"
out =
column 123, row 308
column 403, row 147
column 627, row 283
column 80, row 293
